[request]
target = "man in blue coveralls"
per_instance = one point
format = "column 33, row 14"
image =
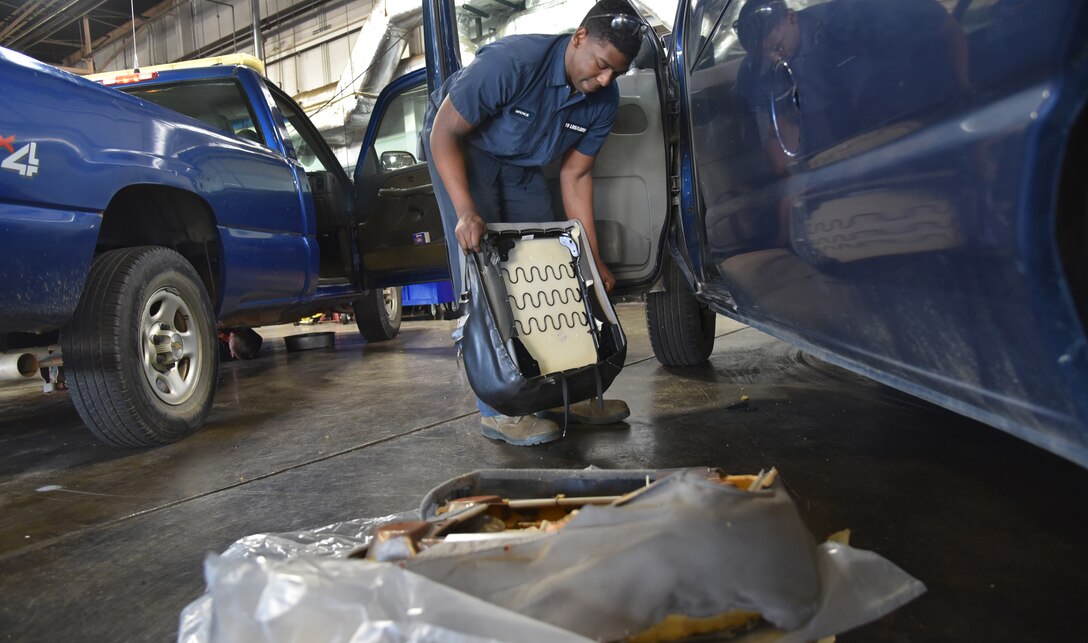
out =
column 523, row 102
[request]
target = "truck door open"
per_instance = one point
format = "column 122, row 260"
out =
column 399, row 226
column 330, row 188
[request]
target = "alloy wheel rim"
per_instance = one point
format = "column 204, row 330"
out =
column 391, row 302
column 171, row 347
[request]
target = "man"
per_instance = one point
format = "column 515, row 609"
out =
column 524, row 102
column 841, row 68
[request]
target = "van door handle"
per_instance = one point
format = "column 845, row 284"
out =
column 782, row 67
column 412, row 191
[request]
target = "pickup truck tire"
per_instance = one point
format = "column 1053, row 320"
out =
column 140, row 352
column 378, row 314
column 681, row 327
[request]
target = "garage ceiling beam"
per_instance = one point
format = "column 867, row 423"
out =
column 54, row 21
column 62, row 43
column 20, row 16
column 125, row 30
column 106, row 11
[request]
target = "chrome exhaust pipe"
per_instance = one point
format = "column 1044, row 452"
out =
column 16, row 365
column 47, row 356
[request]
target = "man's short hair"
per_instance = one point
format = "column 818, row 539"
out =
column 598, row 26
column 757, row 19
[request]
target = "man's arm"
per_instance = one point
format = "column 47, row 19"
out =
column 448, row 134
column 576, row 183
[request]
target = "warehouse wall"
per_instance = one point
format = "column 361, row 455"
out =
column 307, row 43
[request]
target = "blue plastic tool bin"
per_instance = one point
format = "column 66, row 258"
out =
column 435, row 292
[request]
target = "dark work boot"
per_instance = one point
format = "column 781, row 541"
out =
column 523, row 431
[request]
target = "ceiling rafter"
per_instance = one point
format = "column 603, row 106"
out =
column 57, row 18
column 125, row 30
column 40, row 28
column 22, row 14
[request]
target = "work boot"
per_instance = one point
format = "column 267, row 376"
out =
column 523, row 431
column 590, row 412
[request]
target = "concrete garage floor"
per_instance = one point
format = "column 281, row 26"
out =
column 99, row 544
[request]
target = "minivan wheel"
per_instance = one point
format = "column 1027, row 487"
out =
column 681, row 327
column 140, row 352
column 378, row 314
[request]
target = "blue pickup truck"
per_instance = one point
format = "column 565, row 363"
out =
column 135, row 223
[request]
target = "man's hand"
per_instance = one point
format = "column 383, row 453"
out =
column 607, row 280
column 576, row 184
column 470, row 229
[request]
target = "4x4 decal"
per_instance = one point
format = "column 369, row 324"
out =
column 15, row 162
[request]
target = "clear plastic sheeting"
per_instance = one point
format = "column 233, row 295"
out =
column 856, row 587
column 309, row 599
column 337, row 540
column 684, row 545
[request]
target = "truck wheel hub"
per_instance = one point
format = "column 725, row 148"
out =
column 169, row 347
column 172, row 347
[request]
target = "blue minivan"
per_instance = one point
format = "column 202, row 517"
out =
column 895, row 186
